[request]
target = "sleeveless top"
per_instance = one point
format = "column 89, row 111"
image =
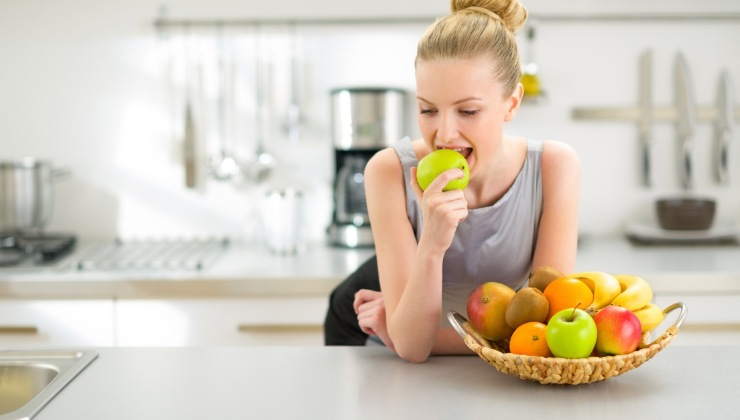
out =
column 494, row 243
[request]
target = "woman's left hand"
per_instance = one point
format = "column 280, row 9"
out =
column 370, row 308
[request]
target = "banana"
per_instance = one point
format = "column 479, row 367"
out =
column 636, row 292
column 604, row 286
column 650, row 316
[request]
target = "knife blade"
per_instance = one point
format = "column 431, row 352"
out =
column 645, row 114
column 686, row 122
column 724, row 126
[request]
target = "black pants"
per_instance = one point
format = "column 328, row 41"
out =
column 340, row 326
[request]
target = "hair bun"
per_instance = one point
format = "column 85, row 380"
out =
column 512, row 13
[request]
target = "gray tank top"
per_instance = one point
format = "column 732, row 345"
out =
column 494, row 243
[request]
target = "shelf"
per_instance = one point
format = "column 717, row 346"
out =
column 164, row 23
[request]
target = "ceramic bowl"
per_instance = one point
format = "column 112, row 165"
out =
column 685, row 213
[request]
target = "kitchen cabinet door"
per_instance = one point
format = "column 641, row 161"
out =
column 56, row 323
column 221, row 322
column 712, row 319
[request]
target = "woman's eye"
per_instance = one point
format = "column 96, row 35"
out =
column 426, row 111
column 469, row 112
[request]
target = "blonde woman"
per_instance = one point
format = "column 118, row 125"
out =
column 434, row 247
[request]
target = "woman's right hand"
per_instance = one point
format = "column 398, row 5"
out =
column 370, row 309
column 441, row 210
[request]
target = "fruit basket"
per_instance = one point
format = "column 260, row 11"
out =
column 556, row 370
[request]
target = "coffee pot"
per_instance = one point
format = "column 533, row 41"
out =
column 364, row 121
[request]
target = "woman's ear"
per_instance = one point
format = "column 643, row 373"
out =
column 515, row 99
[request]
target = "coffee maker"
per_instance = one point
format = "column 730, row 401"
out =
column 364, row 121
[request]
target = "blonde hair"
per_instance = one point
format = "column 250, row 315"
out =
column 478, row 29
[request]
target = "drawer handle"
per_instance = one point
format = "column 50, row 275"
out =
column 280, row 328
column 19, row 329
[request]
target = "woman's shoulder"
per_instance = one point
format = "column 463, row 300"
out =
column 558, row 153
column 559, row 160
column 383, row 163
column 389, row 157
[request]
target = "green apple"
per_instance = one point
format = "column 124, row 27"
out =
column 433, row 164
column 571, row 333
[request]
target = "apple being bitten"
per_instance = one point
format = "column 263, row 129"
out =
column 441, row 160
column 618, row 331
column 571, row 333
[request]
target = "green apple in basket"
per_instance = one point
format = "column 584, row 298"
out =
column 571, row 333
column 441, row 160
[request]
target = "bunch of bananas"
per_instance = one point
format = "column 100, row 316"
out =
column 629, row 291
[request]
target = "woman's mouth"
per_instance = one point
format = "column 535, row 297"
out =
column 465, row 151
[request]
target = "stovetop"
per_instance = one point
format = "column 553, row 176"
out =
column 64, row 252
column 36, row 249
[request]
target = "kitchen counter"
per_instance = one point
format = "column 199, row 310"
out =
column 372, row 383
column 251, row 270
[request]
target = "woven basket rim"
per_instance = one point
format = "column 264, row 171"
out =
column 577, row 371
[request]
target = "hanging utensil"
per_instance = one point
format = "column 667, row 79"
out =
column 294, row 109
column 226, row 167
column 189, row 141
column 724, row 127
column 264, row 161
column 686, row 123
column 645, row 118
column 189, row 147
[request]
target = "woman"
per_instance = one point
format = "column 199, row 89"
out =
column 518, row 211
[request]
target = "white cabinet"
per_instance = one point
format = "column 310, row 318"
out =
column 56, row 323
column 712, row 319
column 221, row 322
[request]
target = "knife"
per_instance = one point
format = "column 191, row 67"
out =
column 645, row 114
column 724, row 126
column 686, row 122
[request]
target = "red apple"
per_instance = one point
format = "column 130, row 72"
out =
column 487, row 310
column 618, row 330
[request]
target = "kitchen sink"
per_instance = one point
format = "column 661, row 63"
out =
column 29, row 379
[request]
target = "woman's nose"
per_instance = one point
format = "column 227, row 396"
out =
column 447, row 129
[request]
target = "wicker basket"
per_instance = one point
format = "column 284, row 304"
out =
column 557, row 370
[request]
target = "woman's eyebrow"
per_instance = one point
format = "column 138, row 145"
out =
column 471, row 98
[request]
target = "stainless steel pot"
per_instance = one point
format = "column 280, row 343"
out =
column 367, row 118
column 26, row 194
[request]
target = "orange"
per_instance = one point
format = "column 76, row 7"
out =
column 530, row 339
column 567, row 292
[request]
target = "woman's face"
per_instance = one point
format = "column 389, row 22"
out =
column 461, row 106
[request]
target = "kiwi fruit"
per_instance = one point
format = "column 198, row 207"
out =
column 542, row 276
column 528, row 305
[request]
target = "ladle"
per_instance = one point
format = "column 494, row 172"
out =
column 226, row 167
column 264, row 162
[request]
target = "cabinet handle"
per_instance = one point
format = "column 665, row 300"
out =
column 280, row 328
column 19, row 329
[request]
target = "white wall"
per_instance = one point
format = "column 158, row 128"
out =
column 89, row 87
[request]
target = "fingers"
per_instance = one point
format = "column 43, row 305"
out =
column 365, row 295
column 439, row 182
column 444, row 178
column 371, row 316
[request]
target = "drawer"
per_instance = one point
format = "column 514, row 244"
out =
column 221, row 322
column 56, row 323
